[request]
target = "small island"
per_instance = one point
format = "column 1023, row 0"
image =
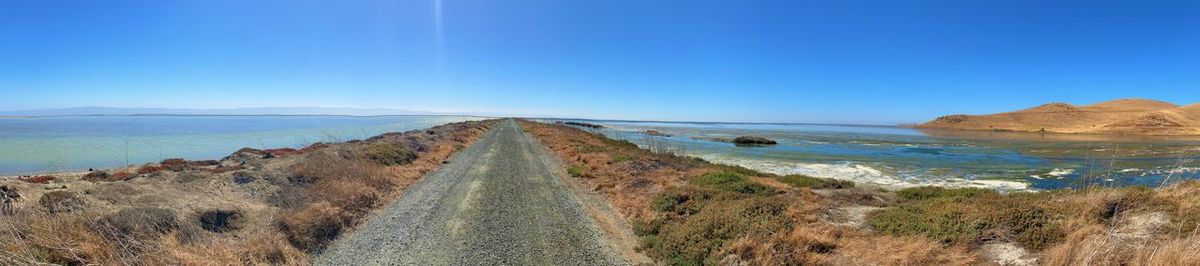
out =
column 752, row 140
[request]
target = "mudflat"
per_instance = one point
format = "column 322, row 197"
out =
column 498, row 202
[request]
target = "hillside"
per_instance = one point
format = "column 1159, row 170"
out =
column 1124, row 116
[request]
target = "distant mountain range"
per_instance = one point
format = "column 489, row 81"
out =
column 1124, row 116
column 230, row 111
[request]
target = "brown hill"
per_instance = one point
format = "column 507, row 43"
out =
column 1124, row 116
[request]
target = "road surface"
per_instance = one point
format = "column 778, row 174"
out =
column 500, row 201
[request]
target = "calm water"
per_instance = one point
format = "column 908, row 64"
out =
column 902, row 157
column 48, row 144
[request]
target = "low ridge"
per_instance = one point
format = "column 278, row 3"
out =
column 1122, row 116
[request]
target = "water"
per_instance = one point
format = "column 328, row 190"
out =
column 52, row 144
column 902, row 157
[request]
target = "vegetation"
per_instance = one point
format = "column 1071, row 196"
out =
column 620, row 158
column 300, row 202
column 730, row 182
column 388, row 153
column 752, row 140
column 972, row 221
column 575, row 171
column 930, row 192
column 691, row 212
column 815, row 183
column 699, row 221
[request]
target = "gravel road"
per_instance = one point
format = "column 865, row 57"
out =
column 501, row 201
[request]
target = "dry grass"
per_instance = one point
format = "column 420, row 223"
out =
column 272, row 211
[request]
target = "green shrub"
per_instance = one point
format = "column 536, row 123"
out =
column 814, row 182
column 689, row 200
column 956, row 220
column 698, row 239
column 575, row 171
column 930, row 192
column 622, row 158
column 740, row 170
column 731, row 182
column 390, row 153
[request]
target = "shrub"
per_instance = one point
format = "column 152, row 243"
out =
column 622, row 158
column 739, row 170
column 175, row 164
column 929, row 192
column 730, row 182
column 139, row 222
column 220, row 221
column 700, row 238
column 390, row 154
column 575, row 171
column 60, row 201
column 42, row 179
column 96, row 176
column 816, row 183
column 954, row 220
column 120, row 176
column 147, row 169
column 315, row 227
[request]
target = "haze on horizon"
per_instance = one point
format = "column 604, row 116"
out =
column 863, row 62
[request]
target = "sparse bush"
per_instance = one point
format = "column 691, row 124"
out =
column 60, row 201
column 622, row 158
column 42, row 179
column 388, row 153
column 929, row 192
column 700, row 238
column 575, row 171
column 815, row 183
column 139, row 222
column 315, row 227
column 956, row 220
column 96, row 176
column 739, row 170
column 220, row 221
column 730, row 182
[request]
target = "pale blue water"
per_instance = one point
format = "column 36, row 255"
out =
column 906, row 157
column 51, row 144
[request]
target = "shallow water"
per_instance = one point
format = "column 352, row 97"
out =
column 903, row 157
column 70, row 143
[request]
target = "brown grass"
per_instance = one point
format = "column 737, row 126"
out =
column 322, row 192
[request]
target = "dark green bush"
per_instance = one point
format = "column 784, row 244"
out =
column 954, row 220
column 731, row 182
column 387, row 153
column 929, row 192
column 698, row 239
column 739, row 170
column 814, row 182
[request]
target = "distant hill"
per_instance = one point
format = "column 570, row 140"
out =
column 231, row 111
column 1124, row 116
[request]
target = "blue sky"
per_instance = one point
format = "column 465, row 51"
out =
column 760, row 61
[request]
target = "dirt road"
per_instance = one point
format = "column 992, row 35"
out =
column 499, row 202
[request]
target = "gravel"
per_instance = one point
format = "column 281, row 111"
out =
column 498, row 203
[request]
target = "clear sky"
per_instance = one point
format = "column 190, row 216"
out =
column 844, row 61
